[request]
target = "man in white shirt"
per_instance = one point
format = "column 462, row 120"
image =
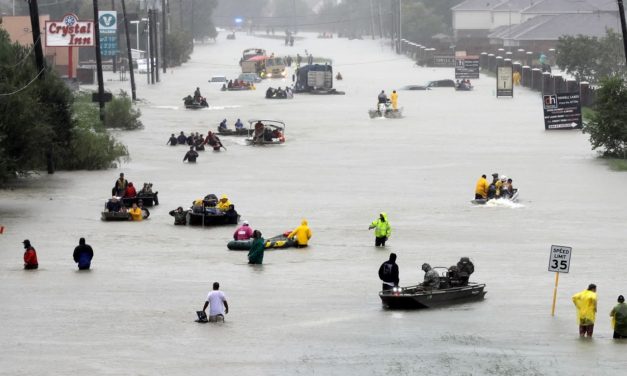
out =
column 217, row 303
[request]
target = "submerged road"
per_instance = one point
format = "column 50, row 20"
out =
column 315, row 311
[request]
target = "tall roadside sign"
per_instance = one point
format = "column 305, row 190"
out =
column 504, row 82
column 108, row 23
column 466, row 67
column 559, row 262
column 562, row 111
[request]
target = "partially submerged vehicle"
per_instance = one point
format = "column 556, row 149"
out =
column 265, row 132
column 483, row 201
column 276, row 242
column 251, row 78
column 218, row 79
column 431, row 84
column 315, row 79
column 385, row 111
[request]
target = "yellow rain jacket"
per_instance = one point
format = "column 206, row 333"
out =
column 482, row 187
column 136, row 214
column 381, row 228
column 394, row 100
column 224, row 205
column 586, row 303
column 302, row 233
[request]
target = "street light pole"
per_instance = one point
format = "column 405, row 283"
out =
column 136, row 23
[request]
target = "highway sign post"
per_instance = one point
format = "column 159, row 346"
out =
column 559, row 262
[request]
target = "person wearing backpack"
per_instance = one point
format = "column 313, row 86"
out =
column 388, row 273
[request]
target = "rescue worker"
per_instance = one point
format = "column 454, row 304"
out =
column 258, row 135
column 83, row 254
column 224, row 203
column 586, row 304
column 432, row 279
column 197, row 95
column 516, row 78
column 302, row 234
column 495, row 186
column 223, row 125
column 388, row 273
column 382, row 231
column 120, row 186
column 30, row 256
column 191, row 155
column 255, row 255
column 382, row 98
column 394, row 99
column 180, row 216
column 238, row 124
column 619, row 319
column 244, row 232
column 481, row 189
column 172, row 141
column 465, row 268
column 136, row 213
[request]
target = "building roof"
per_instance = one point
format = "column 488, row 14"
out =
column 515, row 5
column 560, row 6
column 551, row 27
column 475, row 5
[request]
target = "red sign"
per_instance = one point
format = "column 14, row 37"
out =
column 69, row 32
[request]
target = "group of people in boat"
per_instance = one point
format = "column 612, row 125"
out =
column 384, row 102
column 280, row 93
column 223, row 126
column 238, row 84
column 197, row 99
column 263, row 134
column 463, row 84
column 209, row 205
column 124, row 189
column 500, row 187
column 456, row 275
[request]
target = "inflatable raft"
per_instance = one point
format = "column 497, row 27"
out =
column 277, row 242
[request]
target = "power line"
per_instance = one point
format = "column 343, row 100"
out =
column 24, row 58
column 24, row 87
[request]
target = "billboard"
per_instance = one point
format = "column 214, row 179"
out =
column 69, row 32
column 466, row 67
column 443, row 60
column 504, row 82
column 108, row 24
column 562, row 111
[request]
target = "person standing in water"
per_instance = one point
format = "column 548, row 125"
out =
column 302, row 234
column 255, row 255
column 216, row 301
column 382, row 231
column 30, row 256
column 83, row 254
column 394, row 100
column 388, row 273
column 586, row 304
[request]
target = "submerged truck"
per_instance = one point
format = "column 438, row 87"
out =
column 316, row 79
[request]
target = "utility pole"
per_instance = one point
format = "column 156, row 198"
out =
column 371, row 20
column 128, row 52
column 380, row 20
column 36, row 30
column 98, row 62
column 180, row 14
column 621, row 10
column 400, row 27
column 163, row 37
column 114, row 58
column 155, row 23
column 151, row 40
column 393, row 24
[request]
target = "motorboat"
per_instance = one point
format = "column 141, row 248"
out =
column 265, row 132
column 417, row 296
column 483, row 201
column 385, row 111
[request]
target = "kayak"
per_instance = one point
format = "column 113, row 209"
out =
column 277, row 242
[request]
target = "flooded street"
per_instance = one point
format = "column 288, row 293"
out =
column 316, row 311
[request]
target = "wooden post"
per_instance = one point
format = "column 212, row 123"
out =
column 557, row 279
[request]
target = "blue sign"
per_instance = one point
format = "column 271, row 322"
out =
column 108, row 25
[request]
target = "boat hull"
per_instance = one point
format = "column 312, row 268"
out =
column 414, row 297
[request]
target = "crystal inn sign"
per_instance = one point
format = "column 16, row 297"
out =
column 69, row 32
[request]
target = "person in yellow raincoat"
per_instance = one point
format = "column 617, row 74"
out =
column 481, row 189
column 382, row 229
column 394, row 100
column 516, row 78
column 224, row 203
column 586, row 304
column 136, row 213
column 302, row 234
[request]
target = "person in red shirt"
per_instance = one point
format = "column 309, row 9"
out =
column 130, row 191
column 30, row 256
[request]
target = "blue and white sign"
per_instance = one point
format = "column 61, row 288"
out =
column 108, row 24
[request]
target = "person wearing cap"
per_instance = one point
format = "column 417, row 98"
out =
column 30, row 256
column 432, row 279
column 619, row 319
column 223, row 203
column 586, row 304
column 388, row 273
column 481, row 188
column 120, row 186
column 83, row 254
column 244, row 232
column 382, row 231
column 180, row 216
column 302, row 234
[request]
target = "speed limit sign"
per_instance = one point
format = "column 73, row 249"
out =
column 559, row 260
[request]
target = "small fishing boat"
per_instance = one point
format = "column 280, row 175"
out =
column 413, row 297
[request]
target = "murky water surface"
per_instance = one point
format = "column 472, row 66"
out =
column 316, row 311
